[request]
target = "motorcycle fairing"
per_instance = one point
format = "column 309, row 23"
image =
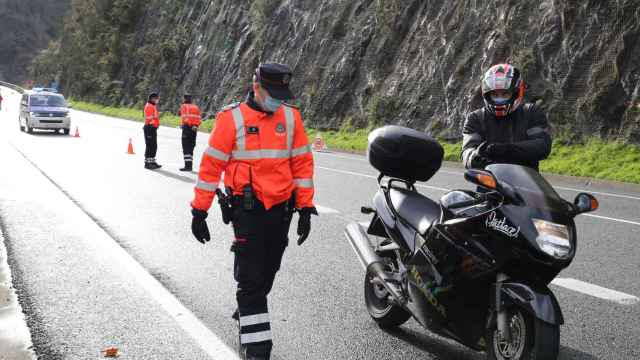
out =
column 540, row 302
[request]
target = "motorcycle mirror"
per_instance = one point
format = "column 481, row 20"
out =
column 482, row 178
column 585, row 203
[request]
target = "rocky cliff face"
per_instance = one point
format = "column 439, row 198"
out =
column 25, row 28
column 413, row 62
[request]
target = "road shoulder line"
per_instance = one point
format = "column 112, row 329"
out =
column 15, row 337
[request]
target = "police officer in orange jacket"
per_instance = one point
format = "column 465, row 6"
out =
column 191, row 118
column 262, row 148
column 151, row 123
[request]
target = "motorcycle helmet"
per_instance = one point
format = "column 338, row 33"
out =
column 502, row 79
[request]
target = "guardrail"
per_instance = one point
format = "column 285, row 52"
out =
column 12, row 86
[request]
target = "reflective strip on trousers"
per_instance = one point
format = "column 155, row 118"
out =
column 255, row 337
column 260, row 154
column 291, row 122
column 254, row 319
column 238, row 119
column 301, row 151
column 215, row 153
column 207, row 186
column 305, row 183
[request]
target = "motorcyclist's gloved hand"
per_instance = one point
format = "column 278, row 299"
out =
column 199, row 226
column 498, row 151
column 304, row 223
column 478, row 158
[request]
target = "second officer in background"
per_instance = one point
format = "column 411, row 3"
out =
column 150, row 128
column 262, row 148
column 190, row 118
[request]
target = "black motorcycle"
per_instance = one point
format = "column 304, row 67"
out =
column 475, row 266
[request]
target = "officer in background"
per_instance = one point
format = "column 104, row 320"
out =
column 191, row 118
column 151, row 123
column 262, row 148
column 506, row 130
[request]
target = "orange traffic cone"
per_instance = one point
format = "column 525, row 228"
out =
column 77, row 133
column 130, row 148
column 319, row 144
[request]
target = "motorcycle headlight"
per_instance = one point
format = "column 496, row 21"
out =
column 553, row 238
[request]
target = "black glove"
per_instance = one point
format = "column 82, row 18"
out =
column 498, row 151
column 304, row 223
column 199, row 225
column 478, row 158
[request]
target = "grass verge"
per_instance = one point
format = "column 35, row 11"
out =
column 595, row 158
column 166, row 118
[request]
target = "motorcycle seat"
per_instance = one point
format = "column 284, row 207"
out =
column 417, row 210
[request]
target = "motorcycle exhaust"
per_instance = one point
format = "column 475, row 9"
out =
column 361, row 245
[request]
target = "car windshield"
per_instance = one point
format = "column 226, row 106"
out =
column 529, row 185
column 48, row 100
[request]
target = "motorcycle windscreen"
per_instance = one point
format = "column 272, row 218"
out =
column 531, row 187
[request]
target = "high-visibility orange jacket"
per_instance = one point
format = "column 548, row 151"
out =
column 270, row 151
column 190, row 115
column 151, row 115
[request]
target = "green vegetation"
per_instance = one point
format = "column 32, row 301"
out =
column 166, row 119
column 595, row 158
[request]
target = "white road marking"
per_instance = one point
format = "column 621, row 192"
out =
column 598, row 193
column 624, row 196
column 596, row 291
column 612, row 219
column 326, row 210
column 375, row 177
column 444, row 189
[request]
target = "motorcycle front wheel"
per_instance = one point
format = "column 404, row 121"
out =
column 531, row 339
column 381, row 309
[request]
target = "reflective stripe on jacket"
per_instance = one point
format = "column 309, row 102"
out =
column 190, row 115
column 270, row 151
column 151, row 115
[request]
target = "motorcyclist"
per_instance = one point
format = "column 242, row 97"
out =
column 505, row 130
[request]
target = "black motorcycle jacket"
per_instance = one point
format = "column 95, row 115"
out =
column 526, row 130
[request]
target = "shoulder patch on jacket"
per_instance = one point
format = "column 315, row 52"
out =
column 230, row 106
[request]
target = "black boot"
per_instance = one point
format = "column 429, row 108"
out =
column 151, row 164
column 188, row 166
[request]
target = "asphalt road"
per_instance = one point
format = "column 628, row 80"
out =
column 85, row 225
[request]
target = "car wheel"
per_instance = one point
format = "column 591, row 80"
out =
column 29, row 129
column 66, row 131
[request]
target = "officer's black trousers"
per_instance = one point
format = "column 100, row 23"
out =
column 261, row 238
column 188, row 143
column 151, row 142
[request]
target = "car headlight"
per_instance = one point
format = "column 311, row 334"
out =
column 553, row 238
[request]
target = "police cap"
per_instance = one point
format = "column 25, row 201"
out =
column 275, row 78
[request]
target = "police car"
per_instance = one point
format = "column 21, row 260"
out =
column 44, row 111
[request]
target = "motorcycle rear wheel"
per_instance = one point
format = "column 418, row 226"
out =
column 386, row 314
column 532, row 339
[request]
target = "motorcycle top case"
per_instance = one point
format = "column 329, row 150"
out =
column 404, row 153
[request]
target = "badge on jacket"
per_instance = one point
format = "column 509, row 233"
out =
column 253, row 130
column 280, row 129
